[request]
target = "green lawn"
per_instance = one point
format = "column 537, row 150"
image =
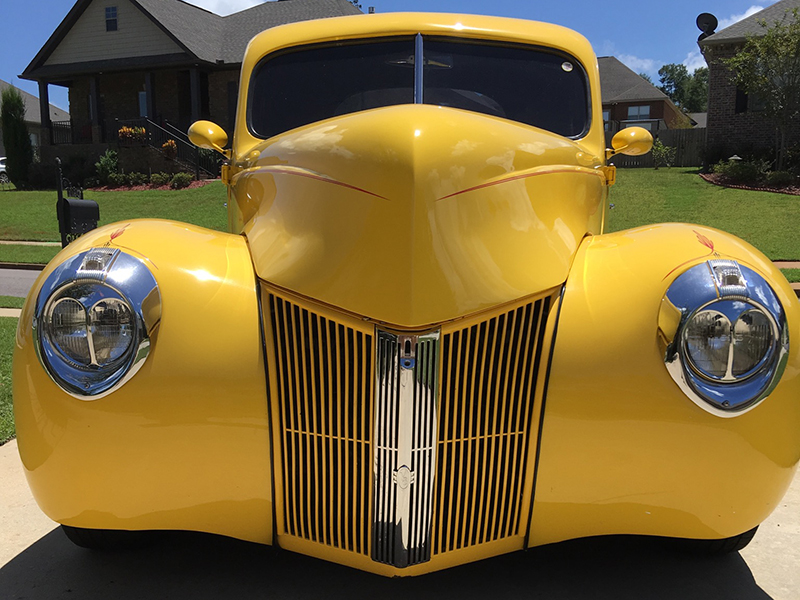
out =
column 769, row 221
column 27, row 254
column 11, row 302
column 32, row 215
column 7, row 328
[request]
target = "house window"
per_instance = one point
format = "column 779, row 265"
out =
column 111, row 18
column 606, row 120
column 143, row 104
column 639, row 113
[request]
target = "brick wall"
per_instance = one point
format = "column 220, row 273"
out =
column 220, row 111
column 730, row 132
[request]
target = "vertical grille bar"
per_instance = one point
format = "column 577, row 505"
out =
column 324, row 373
column 489, row 372
column 405, row 426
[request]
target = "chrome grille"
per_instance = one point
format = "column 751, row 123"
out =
column 324, row 372
column 405, row 429
column 338, row 416
column 489, row 372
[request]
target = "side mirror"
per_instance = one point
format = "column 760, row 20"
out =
column 633, row 141
column 208, row 135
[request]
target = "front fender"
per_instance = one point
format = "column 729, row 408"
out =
column 185, row 443
column 623, row 450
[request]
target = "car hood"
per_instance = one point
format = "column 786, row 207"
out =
column 417, row 215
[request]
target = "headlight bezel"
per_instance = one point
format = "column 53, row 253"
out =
column 732, row 290
column 89, row 278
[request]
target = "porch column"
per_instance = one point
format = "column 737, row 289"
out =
column 44, row 109
column 94, row 111
column 149, row 90
column 194, row 80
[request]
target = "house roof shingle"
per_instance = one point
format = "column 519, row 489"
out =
column 739, row 31
column 619, row 83
column 32, row 112
column 203, row 35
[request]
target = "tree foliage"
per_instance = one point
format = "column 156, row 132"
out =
column 16, row 139
column 768, row 68
column 689, row 91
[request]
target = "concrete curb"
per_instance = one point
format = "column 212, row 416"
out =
column 22, row 266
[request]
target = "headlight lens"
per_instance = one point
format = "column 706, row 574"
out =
column 752, row 337
column 94, row 318
column 731, row 343
column 708, row 336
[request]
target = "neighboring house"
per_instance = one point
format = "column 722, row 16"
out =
column 699, row 119
column 166, row 60
column 735, row 121
column 629, row 99
column 33, row 116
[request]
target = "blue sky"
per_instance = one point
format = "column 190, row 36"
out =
column 643, row 35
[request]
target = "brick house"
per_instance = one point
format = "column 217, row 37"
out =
column 165, row 60
column 629, row 99
column 736, row 125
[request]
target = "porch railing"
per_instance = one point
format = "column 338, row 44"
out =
column 204, row 162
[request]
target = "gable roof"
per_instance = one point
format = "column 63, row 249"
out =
column 619, row 83
column 739, row 31
column 33, row 113
column 203, row 35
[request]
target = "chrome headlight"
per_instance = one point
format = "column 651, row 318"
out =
column 726, row 337
column 94, row 318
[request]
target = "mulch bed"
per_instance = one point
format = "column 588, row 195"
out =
column 716, row 179
column 139, row 188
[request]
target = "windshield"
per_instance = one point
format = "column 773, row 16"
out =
column 542, row 88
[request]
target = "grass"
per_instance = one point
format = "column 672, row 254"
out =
column 32, row 215
column 27, row 254
column 11, row 302
column 769, row 221
column 8, row 326
column 793, row 275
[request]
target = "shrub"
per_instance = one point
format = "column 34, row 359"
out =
column 181, row 180
column 107, row 165
column 159, row 179
column 16, row 140
column 742, row 171
column 170, row 149
column 137, row 179
column 117, row 179
column 42, row 177
column 132, row 134
column 780, row 178
column 663, row 156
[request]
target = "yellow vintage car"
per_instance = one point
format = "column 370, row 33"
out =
column 416, row 347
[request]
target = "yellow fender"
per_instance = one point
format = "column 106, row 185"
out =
column 185, row 443
column 623, row 450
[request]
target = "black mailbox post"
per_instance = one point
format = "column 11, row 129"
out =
column 76, row 216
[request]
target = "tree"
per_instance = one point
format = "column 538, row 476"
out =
column 696, row 91
column 673, row 80
column 688, row 91
column 646, row 77
column 768, row 68
column 19, row 152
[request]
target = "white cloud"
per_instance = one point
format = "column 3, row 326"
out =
column 225, row 7
column 694, row 60
column 640, row 65
column 723, row 23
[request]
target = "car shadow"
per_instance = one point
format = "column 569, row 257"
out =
column 199, row 566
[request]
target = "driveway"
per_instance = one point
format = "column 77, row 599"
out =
column 38, row 563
